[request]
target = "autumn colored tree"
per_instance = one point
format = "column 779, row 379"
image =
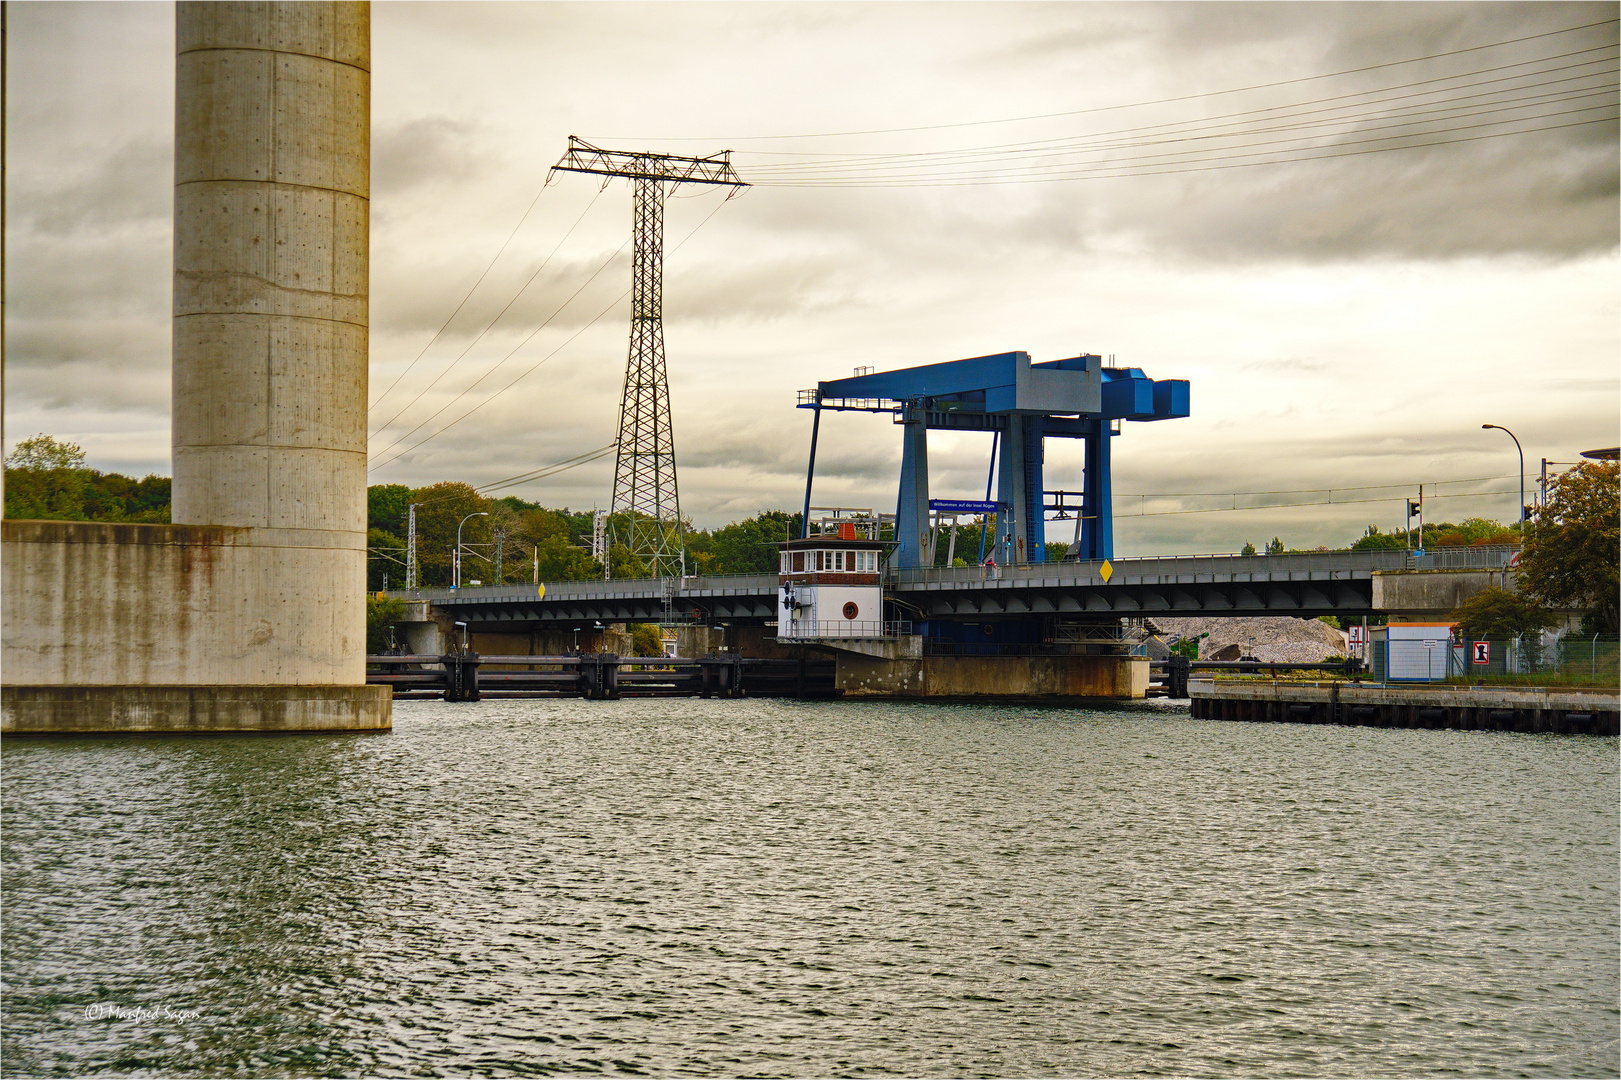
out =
column 440, row 509
column 1572, row 553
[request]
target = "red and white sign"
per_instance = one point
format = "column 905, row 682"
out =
column 1356, row 636
column 1483, row 652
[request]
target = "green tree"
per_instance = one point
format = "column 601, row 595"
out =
column 47, row 479
column 388, row 507
column 382, row 615
column 624, row 563
column 645, row 640
column 1498, row 612
column 1275, row 547
column 1374, row 540
column 1570, row 558
column 43, row 453
column 385, row 560
column 441, row 508
column 749, row 546
column 1249, row 548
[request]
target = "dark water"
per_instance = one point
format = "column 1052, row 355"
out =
column 777, row 888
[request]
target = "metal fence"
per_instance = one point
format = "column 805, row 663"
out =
column 1185, row 566
column 805, row 630
column 1448, row 558
column 1593, row 657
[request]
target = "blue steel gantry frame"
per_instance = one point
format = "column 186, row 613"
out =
column 1025, row 403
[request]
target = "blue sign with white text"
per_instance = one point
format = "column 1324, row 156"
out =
column 960, row 506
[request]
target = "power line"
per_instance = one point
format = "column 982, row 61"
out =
column 1158, row 101
column 490, row 325
column 438, row 333
column 1123, row 172
column 1407, row 115
column 549, row 470
column 622, row 296
column 1244, row 116
column 1309, row 491
column 469, row 389
column 1291, row 506
column 1267, row 147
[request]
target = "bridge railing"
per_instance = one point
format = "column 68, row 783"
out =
column 597, row 589
column 1067, row 573
column 1182, row 566
column 805, row 630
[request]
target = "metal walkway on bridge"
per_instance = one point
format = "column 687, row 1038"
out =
column 1303, row 584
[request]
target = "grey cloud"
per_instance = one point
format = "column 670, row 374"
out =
column 426, row 150
column 133, row 183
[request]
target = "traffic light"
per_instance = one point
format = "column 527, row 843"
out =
column 1413, row 508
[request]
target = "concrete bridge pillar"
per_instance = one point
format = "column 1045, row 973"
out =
column 272, row 189
column 248, row 612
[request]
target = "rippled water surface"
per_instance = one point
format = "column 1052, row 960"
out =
column 686, row 887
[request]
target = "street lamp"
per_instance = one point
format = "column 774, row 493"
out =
column 1510, row 434
column 458, row 560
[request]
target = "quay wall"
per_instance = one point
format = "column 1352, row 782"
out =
column 993, row 676
column 1464, row 708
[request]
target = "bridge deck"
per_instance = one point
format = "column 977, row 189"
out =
column 1307, row 583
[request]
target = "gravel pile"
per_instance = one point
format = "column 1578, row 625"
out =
column 1278, row 638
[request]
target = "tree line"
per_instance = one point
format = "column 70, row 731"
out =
column 1569, row 559
column 511, row 539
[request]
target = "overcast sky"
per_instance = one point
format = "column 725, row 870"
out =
column 1349, row 313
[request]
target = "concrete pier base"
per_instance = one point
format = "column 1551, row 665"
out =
column 1558, row 710
column 124, row 710
column 1120, row 677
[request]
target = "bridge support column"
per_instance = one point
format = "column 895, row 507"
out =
column 1097, row 497
column 991, row 677
column 914, row 538
column 260, row 582
column 1020, row 525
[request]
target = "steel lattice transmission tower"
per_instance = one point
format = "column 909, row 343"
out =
column 645, row 512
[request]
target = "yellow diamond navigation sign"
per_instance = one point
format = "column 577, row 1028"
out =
column 1106, row 571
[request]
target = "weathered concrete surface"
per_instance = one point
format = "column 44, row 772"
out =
column 261, row 581
column 90, row 710
column 1497, row 708
column 905, row 647
column 98, row 604
column 272, row 188
column 994, row 676
column 1430, row 595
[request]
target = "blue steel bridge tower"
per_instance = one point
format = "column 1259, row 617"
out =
column 1022, row 405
